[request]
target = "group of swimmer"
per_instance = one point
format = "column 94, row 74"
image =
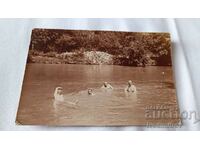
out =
column 59, row 97
column 106, row 86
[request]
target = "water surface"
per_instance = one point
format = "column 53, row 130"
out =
column 154, row 88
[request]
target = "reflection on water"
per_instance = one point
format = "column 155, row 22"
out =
column 113, row 107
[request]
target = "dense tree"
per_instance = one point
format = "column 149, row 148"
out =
column 131, row 48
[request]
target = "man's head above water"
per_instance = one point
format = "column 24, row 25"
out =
column 130, row 83
column 59, row 90
column 90, row 91
column 105, row 84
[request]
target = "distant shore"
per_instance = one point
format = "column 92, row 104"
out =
column 88, row 57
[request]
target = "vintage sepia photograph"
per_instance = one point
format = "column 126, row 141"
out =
column 98, row 78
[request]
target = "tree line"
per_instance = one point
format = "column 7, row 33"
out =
column 130, row 48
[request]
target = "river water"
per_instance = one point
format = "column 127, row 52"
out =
column 155, row 89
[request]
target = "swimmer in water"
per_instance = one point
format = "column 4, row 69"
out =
column 106, row 85
column 59, row 98
column 130, row 88
column 90, row 92
column 58, row 94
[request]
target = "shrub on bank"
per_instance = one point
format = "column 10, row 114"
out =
column 94, row 58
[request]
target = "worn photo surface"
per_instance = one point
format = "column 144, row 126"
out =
column 98, row 78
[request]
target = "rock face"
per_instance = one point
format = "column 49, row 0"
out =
column 97, row 58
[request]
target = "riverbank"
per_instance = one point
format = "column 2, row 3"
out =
column 87, row 57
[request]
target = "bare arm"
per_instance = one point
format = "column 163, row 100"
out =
column 110, row 86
